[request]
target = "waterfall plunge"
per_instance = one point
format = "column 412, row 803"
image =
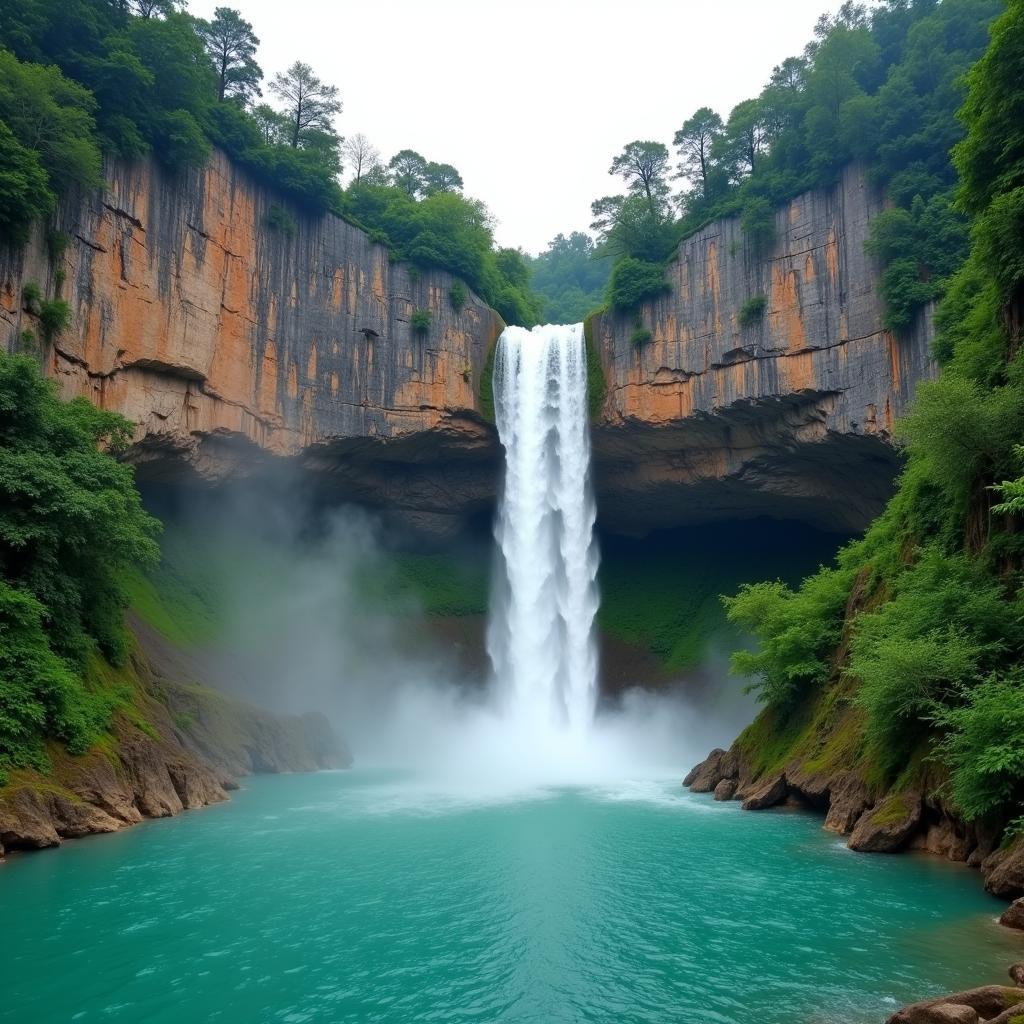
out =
column 540, row 638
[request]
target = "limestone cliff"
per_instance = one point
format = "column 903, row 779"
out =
column 790, row 415
column 229, row 327
column 233, row 329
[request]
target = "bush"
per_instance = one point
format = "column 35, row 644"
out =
column 31, row 297
column 797, row 631
column 758, row 223
column 634, row 280
column 54, row 317
column 640, row 337
column 71, row 523
column 752, row 311
column 420, row 321
column 984, row 747
column 457, row 296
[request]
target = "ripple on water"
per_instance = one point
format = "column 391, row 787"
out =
column 348, row 898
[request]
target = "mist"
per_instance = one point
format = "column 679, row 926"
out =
column 310, row 619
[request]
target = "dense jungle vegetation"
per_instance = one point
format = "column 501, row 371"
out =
column 84, row 78
column 920, row 624
column 877, row 84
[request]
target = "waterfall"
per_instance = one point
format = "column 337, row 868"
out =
column 540, row 637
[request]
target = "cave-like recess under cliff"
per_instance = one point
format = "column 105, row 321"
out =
column 240, row 350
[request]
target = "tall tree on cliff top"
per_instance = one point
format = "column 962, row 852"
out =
column 644, row 168
column 361, row 154
column 694, row 142
column 408, row 171
column 441, row 178
column 309, row 104
column 231, row 43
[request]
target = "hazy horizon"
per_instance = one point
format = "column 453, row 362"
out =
column 531, row 113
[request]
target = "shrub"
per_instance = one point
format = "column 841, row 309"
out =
column 31, row 297
column 752, row 311
column 797, row 629
column 640, row 337
column 634, row 280
column 27, row 342
column 420, row 321
column 54, row 317
column 277, row 218
column 984, row 747
column 56, row 245
column 758, row 223
column 457, row 296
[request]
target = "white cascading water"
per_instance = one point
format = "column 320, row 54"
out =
column 540, row 637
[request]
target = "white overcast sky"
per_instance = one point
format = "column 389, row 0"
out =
column 529, row 99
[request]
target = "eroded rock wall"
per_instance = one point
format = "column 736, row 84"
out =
column 791, row 415
column 227, row 339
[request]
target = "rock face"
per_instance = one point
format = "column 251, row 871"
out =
column 876, row 822
column 788, row 416
column 226, row 339
column 230, row 341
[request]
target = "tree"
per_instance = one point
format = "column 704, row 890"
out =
column 231, row 43
column 408, row 172
column 441, row 178
column 273, row 127
column 361, row 154
column 309, row 104
column 644, row 168
column 152, row 8
column 740, row 146
column 694, row 142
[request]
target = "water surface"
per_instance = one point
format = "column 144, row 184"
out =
column 358, row 897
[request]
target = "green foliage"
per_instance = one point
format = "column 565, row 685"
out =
column 31, row 297
column 54, row 317
column 640, row 336
column 277, row 218
column 757, row 220
column 420, row 321
column 936, row 634
column 880, row 85
column 752, row 311
column 568, row 278
column 634, row 280
column 798, row 631
column 71, row 524
column 457, row 296
column 984, row 746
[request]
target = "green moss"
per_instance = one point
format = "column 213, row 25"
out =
column 752, row 311
column 597, row 386
column 440, row 584
column 486, row 393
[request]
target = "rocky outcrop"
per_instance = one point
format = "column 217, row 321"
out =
column 231, row 327
column 996, row 1004
column 875, row 821
column 1014, row 918
column 790, row 415
column 182, row 747
column 241, row 334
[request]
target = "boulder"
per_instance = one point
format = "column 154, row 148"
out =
column 768, row 794
column 888, row 826
column 1016, row 973
column 848, row 801
column 1013, row 917
column 720, row 764
column 989, row 1003
column 726, row 789
column 1004, row 871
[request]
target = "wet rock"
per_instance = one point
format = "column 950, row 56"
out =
column 726, row 789
column 888, row 826
column 1017, row 974
column 988, row 1003
column 720, row 764
column 767, row 794
column 849, row 799
column 1013, row 917
column 1003, row 871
